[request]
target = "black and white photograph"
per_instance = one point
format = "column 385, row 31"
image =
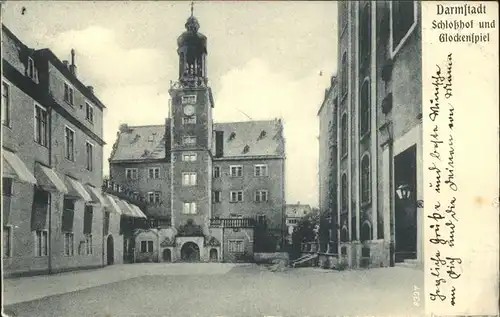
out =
column 178, row 158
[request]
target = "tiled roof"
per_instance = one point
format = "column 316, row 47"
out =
column 297, row 210
column 140, row 143
column 252, row 138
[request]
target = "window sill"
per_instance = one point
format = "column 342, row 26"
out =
column 40, row 144
column 90, row 121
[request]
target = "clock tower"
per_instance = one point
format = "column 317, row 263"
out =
column 191, row 136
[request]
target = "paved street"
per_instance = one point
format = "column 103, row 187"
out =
column 214, row 290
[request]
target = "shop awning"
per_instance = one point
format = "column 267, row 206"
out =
column 113, row 205
column 48, row 179
column 96, row 195
column 127, row 209
column 76, row 189
column 138, row 211
column 15, row 168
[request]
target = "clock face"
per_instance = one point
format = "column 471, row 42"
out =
column 188, row 110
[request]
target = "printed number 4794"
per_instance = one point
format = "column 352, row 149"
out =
column 416, row 295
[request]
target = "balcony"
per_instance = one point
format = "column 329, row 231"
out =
column 232, row 222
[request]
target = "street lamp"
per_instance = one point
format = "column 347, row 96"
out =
column 403, row 191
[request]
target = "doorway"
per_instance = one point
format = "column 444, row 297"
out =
column 213, row 255
column 405, row 210
column 167, row 255
column 190, row 252
column 110, row 250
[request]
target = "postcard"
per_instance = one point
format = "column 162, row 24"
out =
column 249, row 158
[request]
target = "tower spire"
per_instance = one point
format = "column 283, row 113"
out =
column 192, row 7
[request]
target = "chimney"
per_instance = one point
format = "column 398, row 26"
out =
column 66, row 63
column 124, row 128
column 72, row 67
column 91, row 89
column 219, row 143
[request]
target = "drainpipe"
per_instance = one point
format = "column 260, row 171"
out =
column 50, row 195
column 392, row 250
column 222, row 241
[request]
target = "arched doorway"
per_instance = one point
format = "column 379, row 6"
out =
column 213, row 255
column 190, row 252
column 167, row 255
column 110, row 250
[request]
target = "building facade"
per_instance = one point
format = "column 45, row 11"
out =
column 53, row 211
column 293, row 214
column 379, row 133
column 217, row 185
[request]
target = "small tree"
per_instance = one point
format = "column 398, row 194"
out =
column 304, row 232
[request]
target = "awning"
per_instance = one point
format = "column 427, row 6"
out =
column 138, row 211
column 113, row 205
column 48, row 179
column 76, row 189
column 127, row 209
column 96, row 195
column 15, row 168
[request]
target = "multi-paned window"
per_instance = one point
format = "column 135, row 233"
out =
column 236, row 170
column 69, row 144
column 188, row 99
column 236, row 196
column 7, row 241
column 343, row 131
column 236, row 246
column 364, row 109
column 189, row 120
column 32, row 72
column 189, row 208
column 154, row 197
column 403, row 21
column 365, row 179
column 216, row 171
column 189, row 157
column 260, row 170
column 216, row 196
column 89, row 112
column 68, row 94
column 41, row 127
column 41, row 242
column 131, row 173
column 261, row 195
column 146, row 246
column 89, row 154
column 189, row 140
column 5, row 103
column 188, row 178
column 69, row 246
column 153, row 172
column 88, row 244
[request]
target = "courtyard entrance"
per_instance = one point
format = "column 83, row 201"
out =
column 190, row 252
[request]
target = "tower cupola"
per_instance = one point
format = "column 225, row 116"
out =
column 192, row 50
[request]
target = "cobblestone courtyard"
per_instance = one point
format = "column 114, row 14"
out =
column 215, row 290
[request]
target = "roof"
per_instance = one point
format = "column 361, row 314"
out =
column 297, row 210
column 140, row 143
column 329, row 92
column 252, row 138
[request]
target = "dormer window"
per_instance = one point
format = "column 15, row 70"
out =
column 68, row 94
column 151, row 138
column 262, row 134
column 32, row 71
column 246, row 149
column 232, row 136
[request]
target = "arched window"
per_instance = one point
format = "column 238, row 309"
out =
column 344, row 133
column 343, row 191
column 364, row 34
column 365, row 179
column 366, row 231
column 344, row 234
column 364, row 109
column 343, row 87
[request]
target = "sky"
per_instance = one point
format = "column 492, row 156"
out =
column 265, row 60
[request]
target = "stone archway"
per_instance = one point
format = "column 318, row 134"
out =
column 190, row 252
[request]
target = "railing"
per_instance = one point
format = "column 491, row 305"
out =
column 232, row 222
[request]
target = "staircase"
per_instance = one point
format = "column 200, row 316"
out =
column 305, row 259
